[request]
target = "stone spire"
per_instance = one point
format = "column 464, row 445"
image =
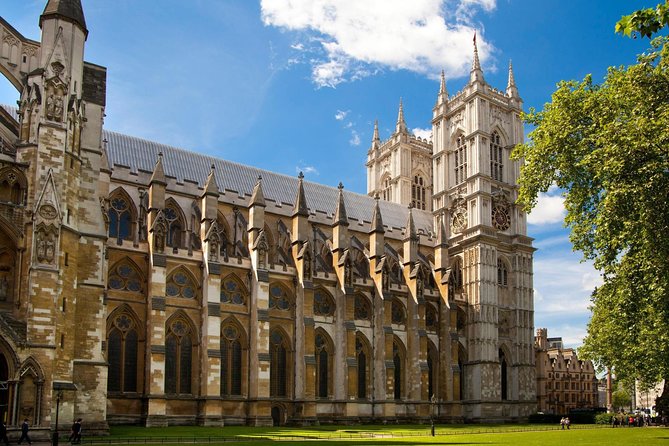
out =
column 257, row 197
column 476, row 73
column 410, row 233
column 69, row 10
column 300, row 207
column 401, row 126
column 442, row 237
column 376, row 141
column 340, row 217
column 511, row 89
column 443, row 93
column 159, row 172
column 377, row 222
column 210, row 187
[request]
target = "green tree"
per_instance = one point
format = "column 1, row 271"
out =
column 621, row 399
column 607, row 147
column 644, row 21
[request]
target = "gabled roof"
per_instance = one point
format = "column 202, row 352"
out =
column 140, row 155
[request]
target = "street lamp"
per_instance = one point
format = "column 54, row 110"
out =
column 59, row 395
column 433, row 401
column 58, row 388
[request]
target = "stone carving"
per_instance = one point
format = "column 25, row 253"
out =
column 45, row 243
column 143, row 212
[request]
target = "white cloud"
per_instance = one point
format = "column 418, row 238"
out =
column 341, row 115
column 549, row 209
column 307, row 170
column 355, row 138
column 423, row 133
column 357, row 38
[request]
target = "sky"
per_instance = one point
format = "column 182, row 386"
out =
column 295, row 85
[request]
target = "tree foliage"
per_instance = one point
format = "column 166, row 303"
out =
column 646, row 22
column 607, row 147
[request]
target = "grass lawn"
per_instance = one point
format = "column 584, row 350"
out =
column 542, row 435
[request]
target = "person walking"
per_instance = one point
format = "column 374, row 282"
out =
column 3, row 433
column 75, row 436
column 24, row 432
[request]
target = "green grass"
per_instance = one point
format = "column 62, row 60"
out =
column 540, row 435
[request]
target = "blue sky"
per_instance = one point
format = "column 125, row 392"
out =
column 296, row 85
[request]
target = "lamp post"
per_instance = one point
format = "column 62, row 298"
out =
column 59, row 395
column 433, row 401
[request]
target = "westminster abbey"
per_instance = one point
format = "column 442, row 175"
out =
column 145, row 284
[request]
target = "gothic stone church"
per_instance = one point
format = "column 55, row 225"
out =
column 142, row 283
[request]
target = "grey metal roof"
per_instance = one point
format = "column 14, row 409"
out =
column 140, row 155
column 13, row 111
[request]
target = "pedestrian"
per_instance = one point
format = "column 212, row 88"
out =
column 562, row 423
column 3, row 433
column 24, row 431
column 75, row 435
column 567, row 422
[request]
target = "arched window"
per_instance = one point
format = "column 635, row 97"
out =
column 178, row 357
column 362, row 355
column 460, row 163
column 232, row 291
column 181, row 284
column 455, row 283
column 231, row 360
column 431, row 318
column 361, row 308
column 323, row 350
column 121, row 211
column 278, row 298
column 387, row 193
column 278, row 368
column 432, row 370
column 503, row 374
column 175, row 224
column 496, row 159
column 398, row 373
column 323, row 303
column 502, row 274
column 124, row 277
column 12, row 186
column 122, row 348
column 397, row 313
column 418, row 196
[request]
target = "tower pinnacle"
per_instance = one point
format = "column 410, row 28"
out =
column 376, row 141
column 401, row 126
column 443, row 93
column 476, row 73
column 511, row 89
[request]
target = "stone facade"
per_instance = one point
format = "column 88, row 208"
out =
column 564, row 382
column 189, row 290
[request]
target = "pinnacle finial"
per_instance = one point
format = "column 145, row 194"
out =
column 476, row 73
column 158, row 175
column 443, row 93
column 376, row 224
column 511, row 89
column 258, row 197
column 476, row 65
column 411, row 226
column 401, row 126
column 300, row 207
column 375, row 139
column 210, row 186
column 340, row 217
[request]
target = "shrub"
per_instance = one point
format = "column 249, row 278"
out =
column 604, row 418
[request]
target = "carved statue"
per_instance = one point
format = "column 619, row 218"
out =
column 50, row 106
column 159, row 239
column 143, row 211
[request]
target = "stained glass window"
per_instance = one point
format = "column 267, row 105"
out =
column 232, row 292
column 124, row 277
column 323, row 303
column 178, row 358
column 278, row 298
column 122, row 352
column 180, row 284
